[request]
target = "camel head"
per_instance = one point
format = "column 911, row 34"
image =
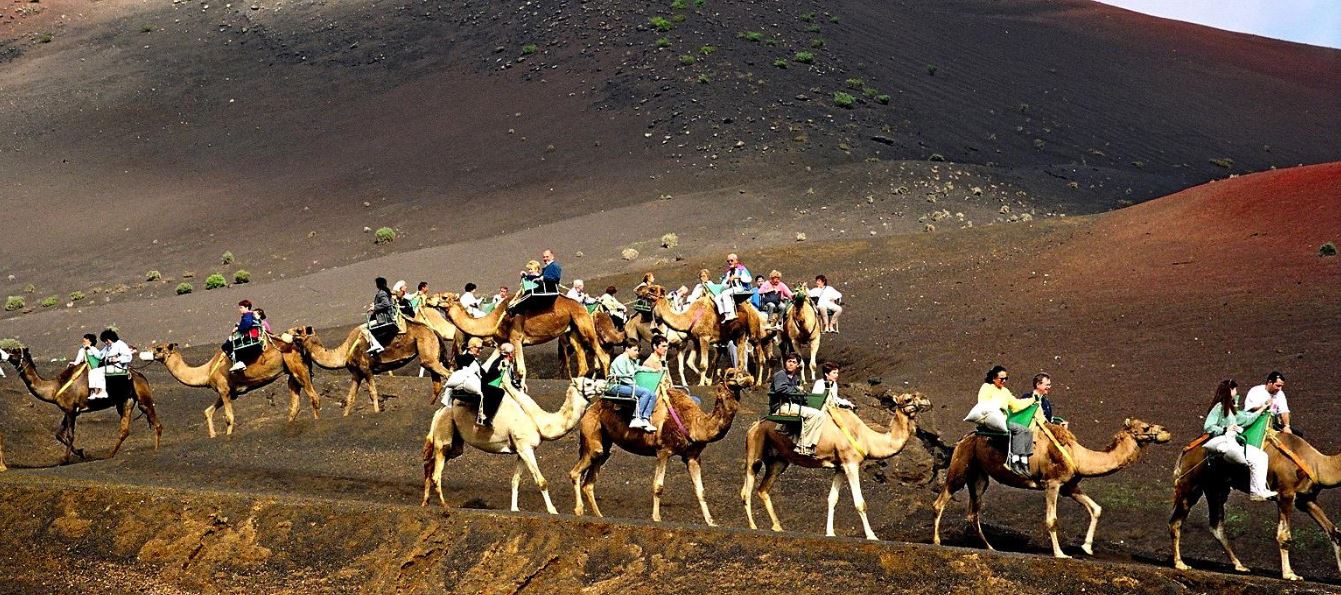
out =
column 163, row 350
column 737, row 380
column 655, row 292
column 589, row 388
column 909, row 404
column 1145, row 433
column 14, row 357
column 444, row 300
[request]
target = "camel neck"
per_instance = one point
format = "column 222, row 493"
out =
column 186, row 373
column 1123, row 451
column 723, row 414
column 890, row 443
column 40, row 388
column 331, row 359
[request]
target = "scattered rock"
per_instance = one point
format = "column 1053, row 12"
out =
column 882, row 139
column 929, row 228
column 800, row 236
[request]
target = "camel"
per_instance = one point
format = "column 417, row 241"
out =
column 533, row 327
column 519, row 426
column 802, row 329
column 612, row 338
column 685, row 434
column 977, row 459
column 418, row 341
column 842, row 448
column 1295, row 486
column 704, row 325
column 69, row 392
column 279, row 358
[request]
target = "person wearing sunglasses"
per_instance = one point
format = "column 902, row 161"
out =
column 994, row 392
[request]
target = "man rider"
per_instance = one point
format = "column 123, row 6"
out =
column 786, row 398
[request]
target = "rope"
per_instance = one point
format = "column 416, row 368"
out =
column 1294, row 457
column 1066, row 454
column 78, row 371
column 853, row 441
column 675, row 416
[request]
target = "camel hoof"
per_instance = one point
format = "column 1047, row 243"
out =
column 1088, row 549
column 1292, row 577
column 712, row 524
column 872, row 538
column 777, row 528
column 1061, row 556
column 1181, row 566
column 1241, row 568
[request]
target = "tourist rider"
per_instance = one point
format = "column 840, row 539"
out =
column 383, row 312
column 827, row 385
column 551, row 274
column 578, row 293
column 262, row 321
column 246, row 327
column 1225, row 423
column 116, row 356
column 785, row 397
column 994, row 391
column 470, row 303
column 617, row 310
column 1272, row 394
column 491, row 396
column 502, row 295
column 641, row 288
column 736, row 280
column 89, row 354
column 419, row 297
column 1043, row 388
column 774, row 295
column 468, row 375
column 622, row 371
column 754, row 292
column 657, row 360
column 404, row 309
column 828, row 302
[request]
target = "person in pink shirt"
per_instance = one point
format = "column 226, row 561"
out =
column 774, row 295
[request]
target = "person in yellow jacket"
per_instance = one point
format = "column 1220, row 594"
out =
column 994, row 391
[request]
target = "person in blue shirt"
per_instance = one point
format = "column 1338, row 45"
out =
column 246, row 326
column 551, row 273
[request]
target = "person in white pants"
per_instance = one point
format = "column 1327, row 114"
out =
column 89, row 353
column 1224, row 422
column 827, row 303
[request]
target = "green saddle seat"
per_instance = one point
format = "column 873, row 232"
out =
column 592, row 308
column 1023, row 417
column 1255, row 433
column 814, row 401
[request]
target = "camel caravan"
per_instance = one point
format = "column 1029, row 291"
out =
column 728, row 332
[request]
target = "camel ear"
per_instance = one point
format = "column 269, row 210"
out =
column 308, row 330
column 1127, row 423
column 172, row 346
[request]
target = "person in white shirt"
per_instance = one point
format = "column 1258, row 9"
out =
column 470, row 302
column 617, row 310
column 116, row 356
column 827, row 302
column 1272, row 394
column 89, row 355
column 578, row 293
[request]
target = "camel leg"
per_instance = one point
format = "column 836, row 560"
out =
column 1093, row 508
column 1283, row 537
column 833, row 500
column 1309, row 505
column 583, row 474
column 1184, row 498
column 1215, row 503
column 771, row 474
column 703, row 346
column 520, row 359
column 3, row 468
column 814, row 358
column 696, row 475
column 209, row 414
column 1050, row 517
column 312, row 396
column 747, row 493
column 659, row 483
column 228, row 414
column 853, row 473
column 954, row 481
column 124, row 429
column 146, row 405
column 63, row 437
column 516, row 482
column 372, row 394
column 527, row 456
column 440, row 457
column 353, row 392
column 977, row 485
column 294, row 386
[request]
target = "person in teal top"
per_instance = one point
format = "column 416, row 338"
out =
column 1225, row 422
column 623, row 370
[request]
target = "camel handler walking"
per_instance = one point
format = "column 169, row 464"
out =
column 786, row 398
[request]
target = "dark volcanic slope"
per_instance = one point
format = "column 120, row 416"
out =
column 174, row 132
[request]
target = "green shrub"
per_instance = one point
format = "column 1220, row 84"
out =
column 804, row 57
column 184, row 288
column 817, row 43
column 833, row 19
column 661, row 23
column 687, row 59
column 1224, row 162
column 528, row 49
column 153, row 276
column 677, row 18
column 931, row 69
column 780, row 63
column 146, row 28
column 771, row 42
column 842, row 99
column 44, row 38
column 703, row 79
column 188, row 274
column 14, row 302
column 754, row 36
column 855, row 83
column 707, row 50
column 241, row 276
column 679, row 5
column 662, row 42
column 30, row 288
column 49, row 301
column 76, row 295
column 808, row 17
column 215, row 281
column 670, row 240
column 883, row 99
column 384, row 235
column 699, row 3
column 1328, row 249
column 227, row 258
column 869, row 91
column 813, row 29
column 11, row 345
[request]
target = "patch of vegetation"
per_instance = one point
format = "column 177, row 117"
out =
column 780, row 63
column 931, row 69
column 44, row 38
column 384, row 235
column 76, row 295
column 241, row 276
column 869, row 91
column 663, row 42
column 771, row 42
column 833, row 19
column 700, row 3
column 804, row 57
column 188, row 274
column 703, row 79
column 844, row 100
column 677, row 18
column 670, row 240
column 936, row 157
column 528, row 49
column 754, row 36
column 707, row 50
column 817, row 43
column 215, row 281
column 813, row 29
column 687, row 59
column 10, row 344
column 227, row 258
column 14, row 302
column 49, row 301
column 146, row 28
column 184, row 288
column 679, row 5
column 1024, row 108
column 1224, row 162
column 808, row 17
column 153, row 276
column 629, row 254
column 1328, row 249
column 883, row 99
column 855, row 83
column 661, row 23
